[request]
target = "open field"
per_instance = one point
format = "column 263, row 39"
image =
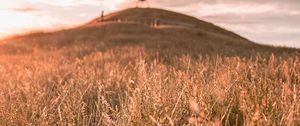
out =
column 130, row 74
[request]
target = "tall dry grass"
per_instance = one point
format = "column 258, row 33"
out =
column 114, row 75
column 126, row 86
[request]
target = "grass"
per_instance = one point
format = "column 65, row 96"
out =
column 117, row 88
column 118, row 74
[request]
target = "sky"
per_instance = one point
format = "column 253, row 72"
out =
column 274, row 22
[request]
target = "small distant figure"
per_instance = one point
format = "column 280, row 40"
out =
column 141, row 3
column 102, row 16
column 119, row 20
column 156, row 23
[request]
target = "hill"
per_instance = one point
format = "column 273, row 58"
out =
column 176, row 32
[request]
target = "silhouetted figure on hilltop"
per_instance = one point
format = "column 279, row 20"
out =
column 141, row 3
column 102, row 16
column 101, row 19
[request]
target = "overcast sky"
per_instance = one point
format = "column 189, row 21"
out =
column 274, row 22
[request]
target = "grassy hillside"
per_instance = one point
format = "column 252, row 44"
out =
column 129, row 73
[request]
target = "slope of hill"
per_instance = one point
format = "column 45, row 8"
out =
column 147, row 15
column 176, row 33
column 129, row 71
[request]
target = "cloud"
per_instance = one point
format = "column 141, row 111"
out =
column 18, row 22
column 272, row 21
column 65, row 2
column 19, row 16
column 25, row 9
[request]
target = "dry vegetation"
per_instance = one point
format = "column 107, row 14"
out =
column 121, row 87
column 113, row 75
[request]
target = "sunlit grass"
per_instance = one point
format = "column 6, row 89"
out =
column 70, row 78
column 114, row 88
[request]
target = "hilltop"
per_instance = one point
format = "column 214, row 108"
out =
column 176, row 33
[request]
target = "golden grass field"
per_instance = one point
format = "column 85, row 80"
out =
column 136, row 75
